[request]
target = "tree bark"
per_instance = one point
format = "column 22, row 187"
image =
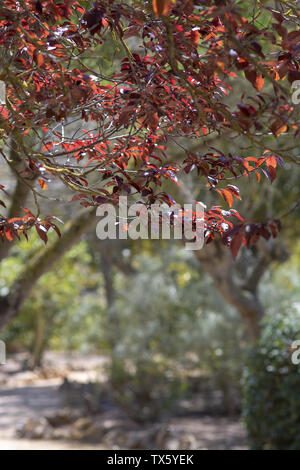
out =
column 237, row 282
column 38, row 342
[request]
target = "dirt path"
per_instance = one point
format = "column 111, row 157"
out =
column 21, row 403
column 25, row 396
column 24, row 444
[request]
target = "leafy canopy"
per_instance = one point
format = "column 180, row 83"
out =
column 106, row 132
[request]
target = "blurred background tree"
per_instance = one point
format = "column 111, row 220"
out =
column 173, row 323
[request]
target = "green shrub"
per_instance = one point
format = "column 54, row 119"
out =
column 145, row 391
column 272, row 387
column 170, row 344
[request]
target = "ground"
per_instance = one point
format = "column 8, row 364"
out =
column 31, row 395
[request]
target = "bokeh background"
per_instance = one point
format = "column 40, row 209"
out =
column 142, row 344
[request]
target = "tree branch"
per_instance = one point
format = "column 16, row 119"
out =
column 11, row 304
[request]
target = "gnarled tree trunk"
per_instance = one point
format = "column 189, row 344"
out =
column 238, row 281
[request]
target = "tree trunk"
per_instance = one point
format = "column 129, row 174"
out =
column 237, row 281
column 39, row 341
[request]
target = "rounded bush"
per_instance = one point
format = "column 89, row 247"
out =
column 272, row 386
column 145, row 390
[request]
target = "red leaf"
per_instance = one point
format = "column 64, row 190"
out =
column 160, row 7
column 236, row 243
column 42, row 184
column 42, row 233
column 56, row 229
column 271, row 161
column 257, row 80
column 227, row 195
column 271, row 173
column 234, row 190
column 9, row 235
column 278, row 127
column 39, row 60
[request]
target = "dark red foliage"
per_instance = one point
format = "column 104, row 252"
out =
column 171, row 89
